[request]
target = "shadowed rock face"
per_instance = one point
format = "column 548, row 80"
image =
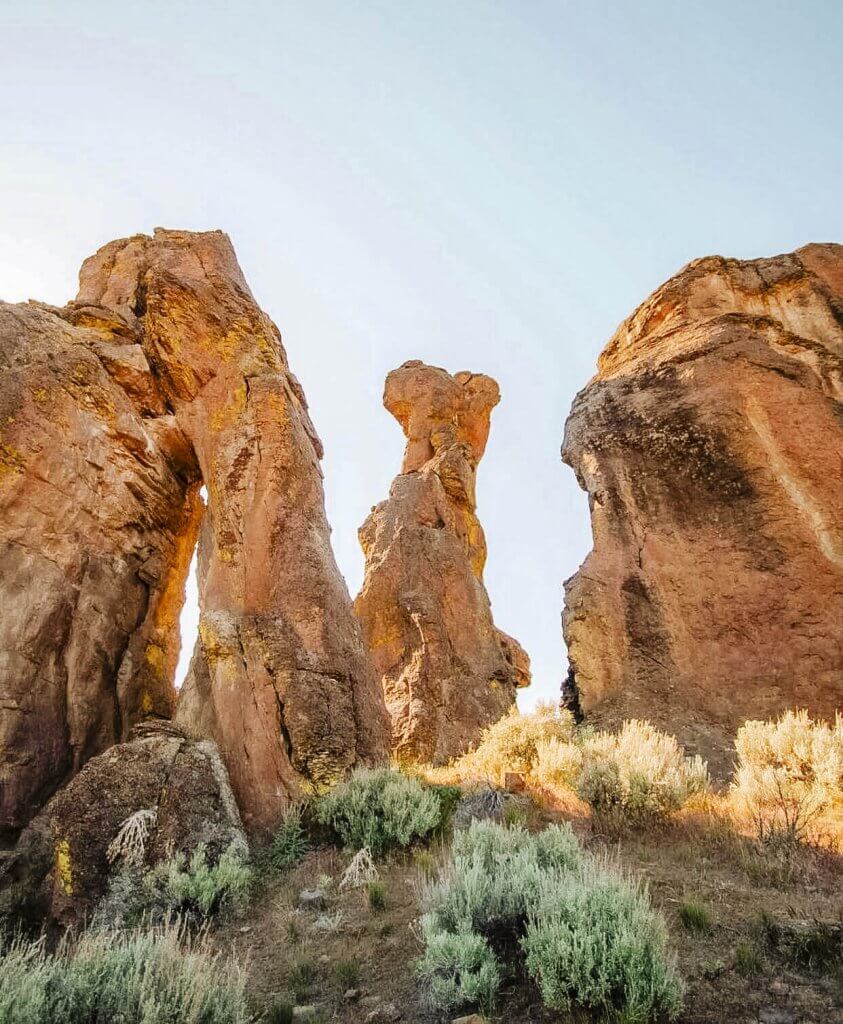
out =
column 710, row 446
column 447, row 672
column 162, row 375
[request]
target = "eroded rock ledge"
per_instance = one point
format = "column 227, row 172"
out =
column 447, row 671
column 710, row 445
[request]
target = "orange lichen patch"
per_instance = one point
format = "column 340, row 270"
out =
column 155, row 658
column 11, row 460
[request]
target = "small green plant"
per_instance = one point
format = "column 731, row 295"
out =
column 515, row 813
column 302, row 977
column 156, row 975
column 376, row 892
column 747, row 959
column 424, row 861
column 694, row 916
column 380, row 809
column 293, row 931
column 347, row 974
column 280, row 1012
column 458, row 970
column 289, row 842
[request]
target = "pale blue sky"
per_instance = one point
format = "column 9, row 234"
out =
column 485, row 186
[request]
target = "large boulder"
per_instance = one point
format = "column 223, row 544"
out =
column 180, row 789
column 164, row 375
column 710, row 445
column 447, row 672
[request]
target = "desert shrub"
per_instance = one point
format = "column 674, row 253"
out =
column 190, row 888
column 789, row 771
column 635, row 776
column 458, row 970
column 592, row 939
column 280, row 1012
column 511, row 744
column 376, row 892
column 289, row 842
column 380, row 809
column 156, row 976
column 303, row 975
column 694, row 916
column 493, row 875
column 347, row 973
column 747, row 959
column 589, row 936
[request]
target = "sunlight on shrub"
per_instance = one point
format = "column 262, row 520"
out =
column 635, row 775
column 510, row 745
column 789, row 772
column 458, row 970
column 156, row 976
column 289, row 842
column 380, row 809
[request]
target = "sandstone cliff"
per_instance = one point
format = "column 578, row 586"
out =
column 710, row 445
column 447, row 672
column 164, row 374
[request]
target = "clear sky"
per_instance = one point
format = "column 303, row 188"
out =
column 485, row 186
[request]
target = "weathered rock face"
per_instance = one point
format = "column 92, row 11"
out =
column 162, row 375
column 447, row 672
column 710, row 446
column 62, row 856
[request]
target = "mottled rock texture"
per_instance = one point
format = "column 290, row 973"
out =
column 447, row 672
column 164, row 374
column 710, row 443
column 61, row 859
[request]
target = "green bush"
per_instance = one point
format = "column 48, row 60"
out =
column 289, row 842
column 694, row 916
column 458, row 970
column 376, row 892
column 190, row 888
column 380, row 809
column 155, row 976
column 589, row 936
column 593, row 940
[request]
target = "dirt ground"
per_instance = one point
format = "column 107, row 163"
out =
column 732, row 971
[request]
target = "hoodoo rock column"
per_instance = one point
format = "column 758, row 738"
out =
column 447, row 672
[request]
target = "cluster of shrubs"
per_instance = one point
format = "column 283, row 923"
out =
column 635, row 775
column 156, row 975
column 588, row 937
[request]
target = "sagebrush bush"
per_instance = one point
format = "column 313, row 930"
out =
column 380, row 809
column 590, row 937
column 458, row 970
column 194, row 889
column 637, row 774
column 788, row 772
column 511, row 744
column 154, row 976
column 593, row 940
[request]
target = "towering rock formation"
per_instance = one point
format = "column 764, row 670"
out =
column 447, row 672
column 164, row 374
column 710, row 445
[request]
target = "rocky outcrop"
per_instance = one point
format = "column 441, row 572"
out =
column 447, row 672
column 164, row 374
column 176, row 790
column 710, row 446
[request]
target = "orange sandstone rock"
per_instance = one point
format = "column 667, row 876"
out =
column 710, row 445
column 164, row 374
column 447, row 672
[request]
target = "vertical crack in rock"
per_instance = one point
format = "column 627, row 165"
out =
column 447, row 672
column 709, row 443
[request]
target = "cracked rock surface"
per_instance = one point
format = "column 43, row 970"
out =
column 710, row 443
